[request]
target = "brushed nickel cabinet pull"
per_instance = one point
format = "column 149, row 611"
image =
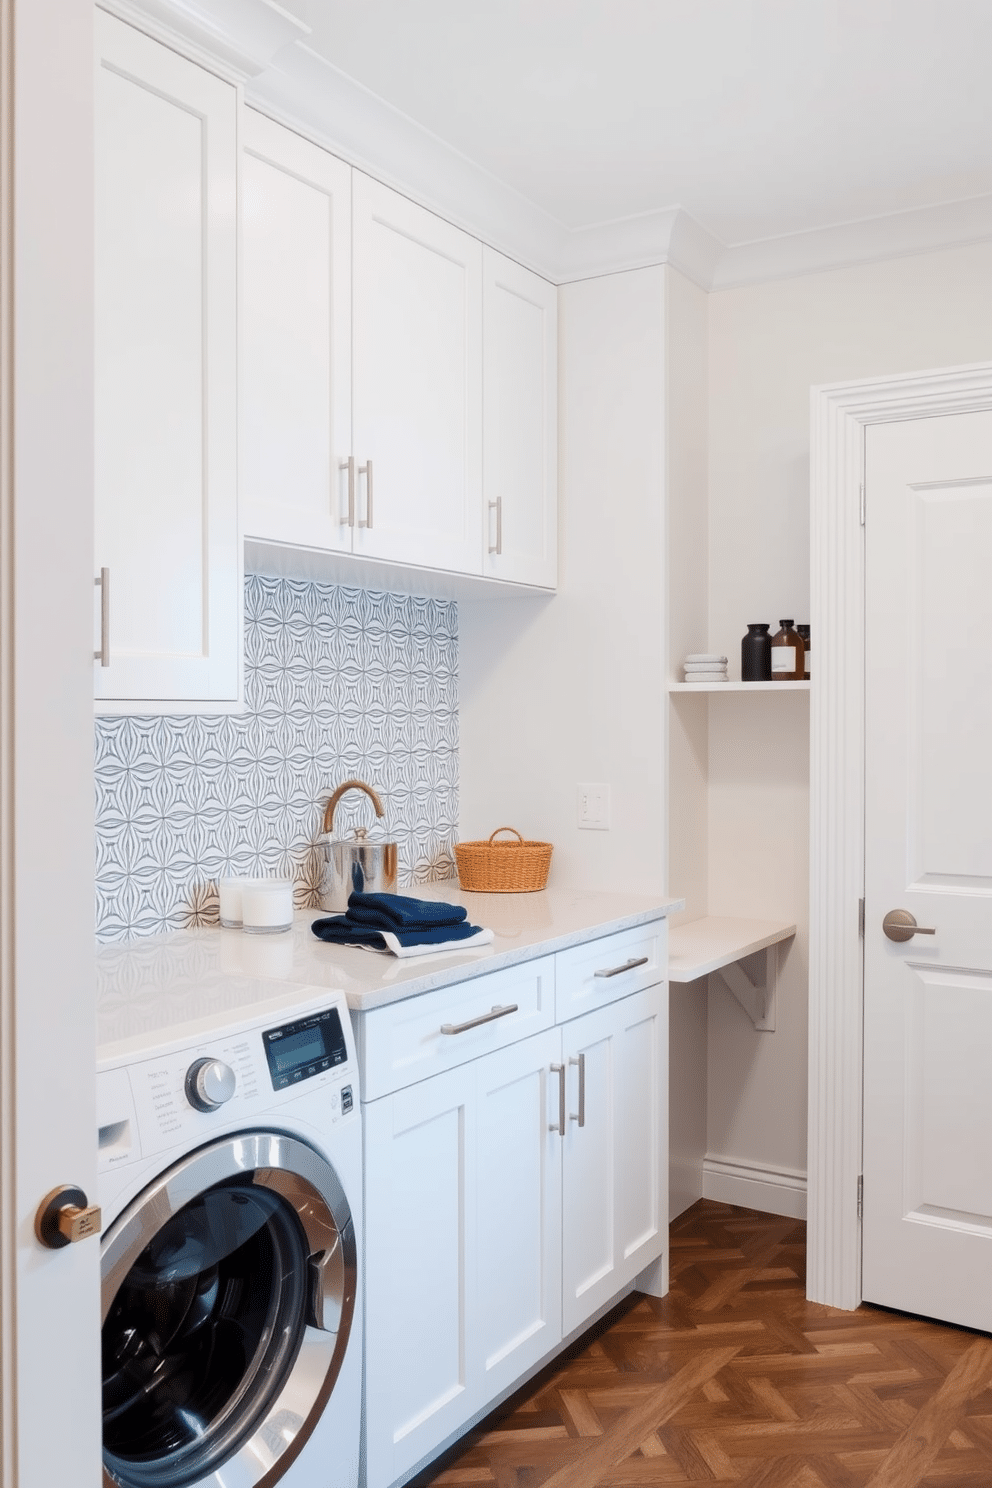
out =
column 559, row 1125
column 366, row 470
column 349, row 465
column 103, row 584
column 497, row 1012
column 581, row 1062
column 497, row 505
column 627, row 966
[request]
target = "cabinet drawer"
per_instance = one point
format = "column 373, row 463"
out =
column 407, row 1041
column 591, row 975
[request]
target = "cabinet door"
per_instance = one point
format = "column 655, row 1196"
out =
column 166, row 371
column 518, row 1175
column 296, row 339
column 420, row 1206
column 520, row 423
column 417, row 309
column 614, row 1176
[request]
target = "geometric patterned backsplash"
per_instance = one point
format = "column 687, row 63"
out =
column 339, row 683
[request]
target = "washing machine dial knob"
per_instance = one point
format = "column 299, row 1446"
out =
column 209, row 1083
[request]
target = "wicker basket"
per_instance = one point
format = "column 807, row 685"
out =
column 503, row 867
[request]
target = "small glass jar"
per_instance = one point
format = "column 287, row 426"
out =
column 787, row 653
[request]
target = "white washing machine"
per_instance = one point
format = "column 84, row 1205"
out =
column 230, row 1184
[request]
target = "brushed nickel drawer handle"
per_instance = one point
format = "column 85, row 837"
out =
column 559, row 1125
column 497, row 1012
column 627, row 966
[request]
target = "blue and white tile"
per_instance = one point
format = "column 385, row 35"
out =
column 339, row 682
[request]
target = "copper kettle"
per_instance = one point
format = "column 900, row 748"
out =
column 355, row 864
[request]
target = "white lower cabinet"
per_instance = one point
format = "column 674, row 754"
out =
column 508, row 1200
column 615, row 1165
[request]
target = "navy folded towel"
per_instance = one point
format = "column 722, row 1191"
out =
column 398, row 923
column 399, row 912
column 341, row 930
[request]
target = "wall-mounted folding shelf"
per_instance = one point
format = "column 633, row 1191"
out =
column 742, row 952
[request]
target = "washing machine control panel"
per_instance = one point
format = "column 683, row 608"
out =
column 179, row 1094
column 297, row 1051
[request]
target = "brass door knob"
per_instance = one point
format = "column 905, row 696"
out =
column 899, row 924
column 66, row 1215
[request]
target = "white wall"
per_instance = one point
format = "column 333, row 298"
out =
column 767, row 345
column 554, row 692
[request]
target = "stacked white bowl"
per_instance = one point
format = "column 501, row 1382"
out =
column 703, row 669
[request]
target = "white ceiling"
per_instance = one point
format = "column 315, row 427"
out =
column 740, row 139
column 757, row 117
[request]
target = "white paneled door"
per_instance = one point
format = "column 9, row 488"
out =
column 927, row 1242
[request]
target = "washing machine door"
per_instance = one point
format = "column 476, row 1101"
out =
column 228, row 1290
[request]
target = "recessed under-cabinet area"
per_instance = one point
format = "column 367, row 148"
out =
column 371, row 397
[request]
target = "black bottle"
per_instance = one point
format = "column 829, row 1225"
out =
column 804, row 632
column 756, row 655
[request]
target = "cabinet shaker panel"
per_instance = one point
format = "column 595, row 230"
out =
column 417, row 307
column 166, row 383
column 615, row 1162
column 296, row 338
column 520, row 423
column 518, row 1161
column 420, row 1264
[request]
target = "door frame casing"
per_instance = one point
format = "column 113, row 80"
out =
column 839, row 416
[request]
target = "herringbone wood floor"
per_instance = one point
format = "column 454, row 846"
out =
column 735, row 1379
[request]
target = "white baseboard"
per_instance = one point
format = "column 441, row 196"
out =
column 755, row 1186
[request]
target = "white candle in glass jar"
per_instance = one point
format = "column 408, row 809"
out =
column 229, row 891
column 267, row 905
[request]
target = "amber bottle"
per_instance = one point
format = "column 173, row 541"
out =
column 788, row 654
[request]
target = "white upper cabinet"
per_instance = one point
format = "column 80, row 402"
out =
column 417, row 391
column 520, row 423
column 166, row 374
column 296, row 339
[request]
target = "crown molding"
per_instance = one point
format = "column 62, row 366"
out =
column 896, row 235
column 237, row 38
column 260, row 45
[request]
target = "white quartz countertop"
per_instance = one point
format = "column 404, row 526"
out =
column 199, row 977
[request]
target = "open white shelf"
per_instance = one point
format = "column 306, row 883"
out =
column 738, row 687
column 743, row 955
column 701, row 946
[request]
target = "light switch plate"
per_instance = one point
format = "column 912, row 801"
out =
column 594, row 807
